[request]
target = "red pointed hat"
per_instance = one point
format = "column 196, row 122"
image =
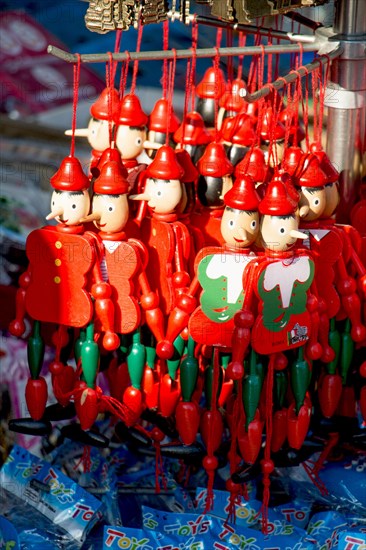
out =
column 165, row 165
column 108, row 155
column 212, row 85
column 106, row 105
column 326, row 166
column 70, row 176
column 297, row 130
column 309, row 173
column 291, row 159
column 253, row 165
column 190, row 171
column 214, row 162
column 289, row 183
column 193, row 128
column 160, row 115
column 242, row 195
column 111, row 180
column 231, row 99
column 243, row 133
column 227, row 128
column 269, row 129
column 277, row 201
column 131, row 113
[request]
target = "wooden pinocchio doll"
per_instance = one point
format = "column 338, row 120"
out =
column 104, row 113
column 209, row 90
column 192, row 135
column 162, row 119
column 215, row 180
column 62, row 277
column 279, row 309
column 167, row 239
column 131, row 135
column 238, row 135
column 123, row 266
column 232, row 102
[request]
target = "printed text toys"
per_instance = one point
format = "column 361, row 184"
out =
column 62, row 277
column 123, row 266
column 162, row 120
column 131, row 135
column 104, row 114
column 279, row 311
column 209, row 90
column 166, row 238
column 192, row 135
column 238, row 136
column 215, row 180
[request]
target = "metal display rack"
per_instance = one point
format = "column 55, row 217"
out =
column 344, row 44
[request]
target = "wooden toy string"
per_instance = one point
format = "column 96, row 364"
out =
column 241, row 44
column 170, row 92
column 136, row 63
column 193, row 62
column 165, row 62
column 217, row 76
column 76, row 75
column 109, row 78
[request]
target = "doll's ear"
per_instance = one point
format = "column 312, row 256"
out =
column 304, row 210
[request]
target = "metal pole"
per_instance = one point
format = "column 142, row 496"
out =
column 291, row 76
column 180, row 54
column 346, row 102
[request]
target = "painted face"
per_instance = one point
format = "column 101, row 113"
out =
column 331, row 199
column 98, row 134
column 279, row 233
column 238, row 227
column 130, row 141
column 162, row 196
column 314, row 198
column 112, row 212
column 69, row 208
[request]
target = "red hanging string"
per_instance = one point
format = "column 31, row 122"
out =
column 117, row 46
column 85, row 460
column 216, row 67
column 315, row 78
column 269, row 59
column 210, row 438
column 124, row 74
column 322, row 88
column 172, row 69
column 165, row 62
column 76, row 76
column 289, row 119
column 109, row 83
column 242, row 41
column 194, row 61
column 187, row 96
column 136, row 63
column 267, row 449
column 229, row 44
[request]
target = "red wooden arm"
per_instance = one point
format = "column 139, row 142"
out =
column 17, row 326
column 186, row 303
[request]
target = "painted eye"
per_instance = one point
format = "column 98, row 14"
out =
column 253, row 224
column 53, row 203
column 231, row 223
column 110, row 208
column 159, row 193
column 73, row 206
column 282, row 230
column 138, row 141
column 316, row 202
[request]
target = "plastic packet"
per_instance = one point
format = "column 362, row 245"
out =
column 32, row 488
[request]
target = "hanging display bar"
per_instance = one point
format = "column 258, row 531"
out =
column 180, row 54
column 291, row 76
